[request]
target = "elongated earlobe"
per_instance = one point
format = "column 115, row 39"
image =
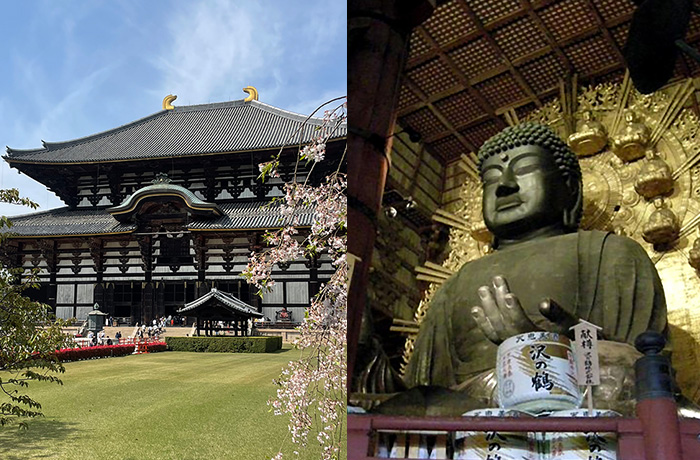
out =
column 572, row 214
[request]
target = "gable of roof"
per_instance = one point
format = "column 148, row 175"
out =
column 233, row 304
column 223, row 127
column 162, row 188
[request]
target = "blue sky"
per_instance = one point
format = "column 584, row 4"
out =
column 72, row 68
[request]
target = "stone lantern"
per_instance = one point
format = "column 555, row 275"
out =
column 96, row 319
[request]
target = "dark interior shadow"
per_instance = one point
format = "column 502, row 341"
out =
column 16, row 444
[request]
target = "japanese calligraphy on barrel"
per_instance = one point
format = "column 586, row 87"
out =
column 584, row 446
column 490, row 445
column 536, row 373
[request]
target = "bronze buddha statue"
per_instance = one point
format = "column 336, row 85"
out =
column 532, row 204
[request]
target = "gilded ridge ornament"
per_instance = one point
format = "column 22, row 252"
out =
column 590, row 138
column 631, row 143
column 168, row 102
column 252, row 93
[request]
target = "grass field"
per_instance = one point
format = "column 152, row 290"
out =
column 170, row 405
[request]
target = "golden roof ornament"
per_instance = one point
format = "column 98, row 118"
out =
column 252, row 93
column 655, row 177
column 631, row 143
column 590, row 138
column 168, row 102
column 662, row 227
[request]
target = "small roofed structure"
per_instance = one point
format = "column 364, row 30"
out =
column 215, row 306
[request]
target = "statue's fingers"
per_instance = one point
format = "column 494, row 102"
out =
column 501, row 290
column 491, row 308
column 484, row 324
column 516, row 316
column 556, row 314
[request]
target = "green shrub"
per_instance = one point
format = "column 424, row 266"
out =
column 225, row 344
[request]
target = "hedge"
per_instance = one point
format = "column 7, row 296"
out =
column 102, row 351
column 225, row 344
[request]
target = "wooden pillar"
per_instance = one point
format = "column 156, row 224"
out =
column 656, row 405
column 378, row 33
column 147, row 299
column 49, row 250
column 98, row 296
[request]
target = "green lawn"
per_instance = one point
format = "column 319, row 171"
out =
column 170, row 405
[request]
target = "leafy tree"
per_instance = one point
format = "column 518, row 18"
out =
column 312, row 390
column 29, row 334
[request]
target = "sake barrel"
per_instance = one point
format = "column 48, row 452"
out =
column 536, row 373
column 488, row 445
column 584, row 446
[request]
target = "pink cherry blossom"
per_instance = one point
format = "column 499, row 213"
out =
column 312, row 390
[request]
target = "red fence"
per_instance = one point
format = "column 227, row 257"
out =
column 657, row 433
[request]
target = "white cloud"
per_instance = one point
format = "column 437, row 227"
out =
column 215, row 46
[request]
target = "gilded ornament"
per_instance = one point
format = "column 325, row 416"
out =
column 168, row 102
column 694, row 255
column 480, row 233
column 631, row 143
column 662, row 226
column 655, row 178
column 590, row 138
column 252, row 93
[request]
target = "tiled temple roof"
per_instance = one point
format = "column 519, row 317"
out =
column 226, row 299
column 89, row 221
column 183, row 131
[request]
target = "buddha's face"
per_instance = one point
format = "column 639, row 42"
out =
column 523, row 191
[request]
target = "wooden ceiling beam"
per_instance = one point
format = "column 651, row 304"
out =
column 450, row 128
column 463, row 80
column 605, row 31
column 549, row 38
column 511, row 68
column 430, row 99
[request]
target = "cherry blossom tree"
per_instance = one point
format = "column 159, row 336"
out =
column 312, row 390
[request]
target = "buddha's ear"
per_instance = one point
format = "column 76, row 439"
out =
column 573, row 211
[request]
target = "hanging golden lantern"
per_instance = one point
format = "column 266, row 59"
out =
column 590, row 138
column 655, row 178
column 662, row 226
column 631, row 143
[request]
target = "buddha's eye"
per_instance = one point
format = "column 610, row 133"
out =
column 526, row 169
column 491, row 176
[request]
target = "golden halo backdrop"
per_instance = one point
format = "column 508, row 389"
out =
column 639, row 155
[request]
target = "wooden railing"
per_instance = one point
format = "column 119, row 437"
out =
column 656, row 434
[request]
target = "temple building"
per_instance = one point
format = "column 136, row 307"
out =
column 161, row 210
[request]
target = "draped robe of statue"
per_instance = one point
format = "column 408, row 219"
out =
column 601, row 277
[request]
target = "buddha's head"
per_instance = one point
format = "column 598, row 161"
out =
column 531, row 181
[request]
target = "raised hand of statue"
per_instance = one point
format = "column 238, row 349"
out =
column 501, row 316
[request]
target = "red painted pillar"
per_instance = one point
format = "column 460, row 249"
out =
column 660, row 428
column 377, row 40
column 656, row 406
